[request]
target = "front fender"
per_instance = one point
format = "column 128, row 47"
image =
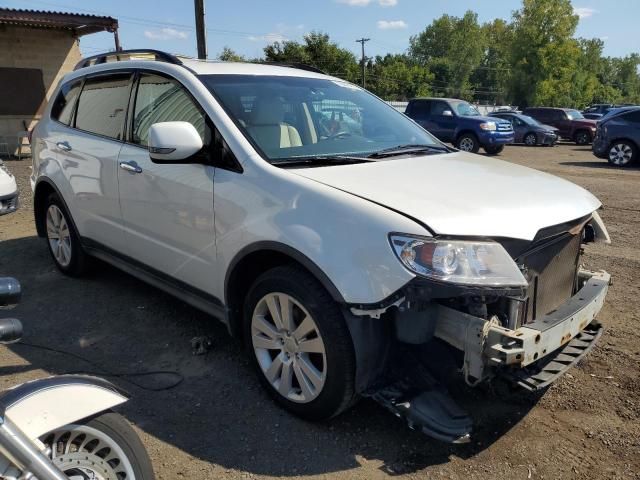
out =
column 41, row 406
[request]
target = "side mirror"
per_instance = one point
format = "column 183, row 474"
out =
column 171, row 142
column 447, row 113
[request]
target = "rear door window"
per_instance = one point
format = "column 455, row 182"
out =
column 103, row 104
column 422, row 107
column 633, row 117
column 62, row 109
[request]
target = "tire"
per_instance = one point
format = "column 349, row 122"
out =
column 75, row 451
column 320, row 368
column 468, row 142
column 622, row 153
column 494, row 150
column 66, row 250
column 531, row 139
column 582, row 137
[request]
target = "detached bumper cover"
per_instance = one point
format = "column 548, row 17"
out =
column 490, row 348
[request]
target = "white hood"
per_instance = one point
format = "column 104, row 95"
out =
column 463, row 194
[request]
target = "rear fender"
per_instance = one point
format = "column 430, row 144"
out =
column 41, row 406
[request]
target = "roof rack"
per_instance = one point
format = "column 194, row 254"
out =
column 299, row 66
column 145, row 54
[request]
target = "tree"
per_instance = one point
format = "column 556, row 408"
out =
column 317, row 51
column 396, row 77
column 491, row 78
column 452, row 48
column 228, row 55
column 544, row 53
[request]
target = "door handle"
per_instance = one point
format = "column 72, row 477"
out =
column 130, row 167
column 64, row 146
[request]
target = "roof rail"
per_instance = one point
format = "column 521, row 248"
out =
column 158, row 56
column 299, row 66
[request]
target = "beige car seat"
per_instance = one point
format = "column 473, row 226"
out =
column 268, row 128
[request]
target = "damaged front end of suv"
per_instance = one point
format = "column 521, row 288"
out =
column 523, row 311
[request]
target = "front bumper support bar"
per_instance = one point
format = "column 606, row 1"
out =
column 488, row 346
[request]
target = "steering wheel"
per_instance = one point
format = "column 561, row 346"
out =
column 341, row 134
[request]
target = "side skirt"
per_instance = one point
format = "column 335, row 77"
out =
column 188, row 294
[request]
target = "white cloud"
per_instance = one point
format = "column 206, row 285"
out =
column 166, row 33
column 269, row 37
column 388, row 3
column 584, row 12
column 391, row 24
column 355, row 3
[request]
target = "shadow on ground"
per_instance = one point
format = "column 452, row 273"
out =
column 603, row 164
column 219, row 413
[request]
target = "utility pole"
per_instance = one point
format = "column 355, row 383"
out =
column 362, row 41
column 201, row 34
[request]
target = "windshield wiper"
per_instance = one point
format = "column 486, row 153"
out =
column 410, row 149
column 318, row 160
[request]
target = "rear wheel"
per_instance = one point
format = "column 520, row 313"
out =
column 468, row 142
column 622, row 153
column 495, row 150
column 582, row 137
column 299, row 343
column 62, row 238
column 530, row 139
column 104, row 447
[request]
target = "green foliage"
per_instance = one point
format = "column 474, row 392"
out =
column 533, row 60
column 228, row 55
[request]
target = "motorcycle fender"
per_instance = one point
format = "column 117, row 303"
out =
column 42, row 406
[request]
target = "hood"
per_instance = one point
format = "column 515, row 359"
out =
column 7, row 183
column 463, row 194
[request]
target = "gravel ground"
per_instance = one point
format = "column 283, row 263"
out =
column 219, row 423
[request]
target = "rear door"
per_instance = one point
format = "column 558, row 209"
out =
column 562, row 122
column 87, row 150
column 420, row 112
column 167, row 209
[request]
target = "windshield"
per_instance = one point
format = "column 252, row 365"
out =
column 529, row 120
column 574, row 115
column 465, row 109
column 289, row 118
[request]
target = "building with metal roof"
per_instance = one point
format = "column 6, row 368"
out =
column 37, row 48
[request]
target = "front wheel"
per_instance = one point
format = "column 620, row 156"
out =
column 530, row 139
column 583, row 137
column 495, row 150
column 299, row 343
column 468, row 142
column 105, row 447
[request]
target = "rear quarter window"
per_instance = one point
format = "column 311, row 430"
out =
column 64, row 104
column 420, row 108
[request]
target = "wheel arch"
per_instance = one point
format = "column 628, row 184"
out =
column 622, row 139
column 45, row 187
column 257, row 258
column 465, row 131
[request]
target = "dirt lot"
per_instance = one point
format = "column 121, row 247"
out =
column 220, row 424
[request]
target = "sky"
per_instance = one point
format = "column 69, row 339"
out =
column 247, row 26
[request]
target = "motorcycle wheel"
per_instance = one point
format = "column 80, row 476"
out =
column 104, row 446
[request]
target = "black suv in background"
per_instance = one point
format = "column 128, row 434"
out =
column 618, row 138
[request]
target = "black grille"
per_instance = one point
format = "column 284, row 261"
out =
column 551, row 270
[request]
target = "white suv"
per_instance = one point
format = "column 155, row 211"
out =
column 354, row 253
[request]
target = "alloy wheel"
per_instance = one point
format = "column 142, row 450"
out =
column 620, row 154
column 289, row 348
column 83, row 452
column 58, row 235
column 582, row 138
column 530, row 139
column 466, row 144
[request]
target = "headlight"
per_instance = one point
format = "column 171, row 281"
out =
column 467, row 262
column 489, row 126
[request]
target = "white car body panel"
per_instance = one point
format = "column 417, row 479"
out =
column 8, row 191
column 49, row 409
column 464, row 194
column 337, row 217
